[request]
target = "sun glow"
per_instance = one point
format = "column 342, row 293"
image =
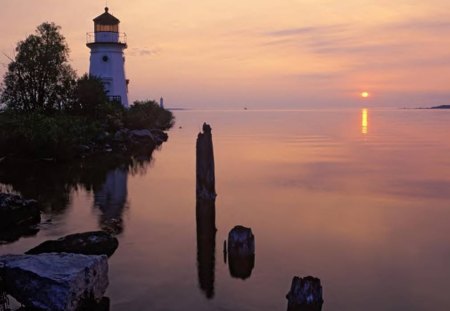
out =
column 365, row 94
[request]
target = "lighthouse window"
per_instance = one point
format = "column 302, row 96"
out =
column 105, row 58
column 106, row 28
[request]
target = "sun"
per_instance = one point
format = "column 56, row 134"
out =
column 365, row 94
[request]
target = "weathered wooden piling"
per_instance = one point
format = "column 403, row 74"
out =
column 206, row 186
column 305, row 294
column 206, row 212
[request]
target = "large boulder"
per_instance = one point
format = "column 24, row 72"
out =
column 88, row 243
column 16, row 211
column 241, row 252
column 57, row 282
column 305, row 294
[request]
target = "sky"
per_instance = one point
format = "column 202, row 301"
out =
column 285, row 54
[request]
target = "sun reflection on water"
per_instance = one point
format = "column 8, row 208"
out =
column 364, row 121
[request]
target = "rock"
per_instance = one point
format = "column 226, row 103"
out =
column 13, row 234
column 84, row 149
column 16, row 211
column 241, row 252
column 141, row 134
column 206, row 181
column 55, row 282
column 88, row 243
column 121, row 135
column 159, row 136
column 102, row 137
column 305, row 294
column 102, row 305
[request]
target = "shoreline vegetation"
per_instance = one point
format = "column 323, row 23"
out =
column 48, row 113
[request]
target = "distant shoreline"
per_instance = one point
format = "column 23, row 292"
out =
column 441, row 107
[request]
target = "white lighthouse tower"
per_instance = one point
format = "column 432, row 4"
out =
column 107, row 60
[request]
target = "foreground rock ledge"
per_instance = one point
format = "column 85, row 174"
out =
column 55, row 282
column 87, row 243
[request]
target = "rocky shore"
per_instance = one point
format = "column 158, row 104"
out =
column 124, row 142
column 70, row 273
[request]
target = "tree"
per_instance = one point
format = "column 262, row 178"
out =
column 90, row 97
column 148, row 114
column 40, row 77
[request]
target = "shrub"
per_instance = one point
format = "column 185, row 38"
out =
column 42, row 136
column 148, row 114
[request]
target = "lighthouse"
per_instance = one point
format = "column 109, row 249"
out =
column 107, row 60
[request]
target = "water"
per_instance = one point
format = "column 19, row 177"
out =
column 358, row 198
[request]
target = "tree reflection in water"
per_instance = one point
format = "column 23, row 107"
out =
column 52, row 184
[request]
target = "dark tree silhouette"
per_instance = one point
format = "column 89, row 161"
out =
column 39, row 78
column 90, row 95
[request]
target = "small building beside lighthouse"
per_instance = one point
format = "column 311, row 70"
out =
column 107, row 60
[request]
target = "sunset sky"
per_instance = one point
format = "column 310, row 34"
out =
column 262, row 54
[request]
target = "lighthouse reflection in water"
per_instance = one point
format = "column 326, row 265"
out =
column 111, row 199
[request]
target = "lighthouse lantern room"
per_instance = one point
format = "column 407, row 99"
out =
column 107, row 60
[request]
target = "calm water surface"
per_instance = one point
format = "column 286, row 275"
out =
column 358, row 198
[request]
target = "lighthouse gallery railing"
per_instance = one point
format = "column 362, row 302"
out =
column 106, row 37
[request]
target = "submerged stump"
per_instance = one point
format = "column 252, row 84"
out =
column 241, row 252
column 305, row 294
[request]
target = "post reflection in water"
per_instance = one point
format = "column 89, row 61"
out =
column 111, row 199
column 365, row 121
column 206, row 245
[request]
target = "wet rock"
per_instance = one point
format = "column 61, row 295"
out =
column 84, row 149
column 159, row 136
column 121, row 135
column 206, row 181
column 102, row 305
column 305, row 294
column 55, row 281
column 102, row 137
column 88, row 243
column 241, row 252
column 141, row 134
column 14, row 234
column 16, row 211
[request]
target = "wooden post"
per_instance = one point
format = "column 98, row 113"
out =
column 206, row 212
column 206, row 187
